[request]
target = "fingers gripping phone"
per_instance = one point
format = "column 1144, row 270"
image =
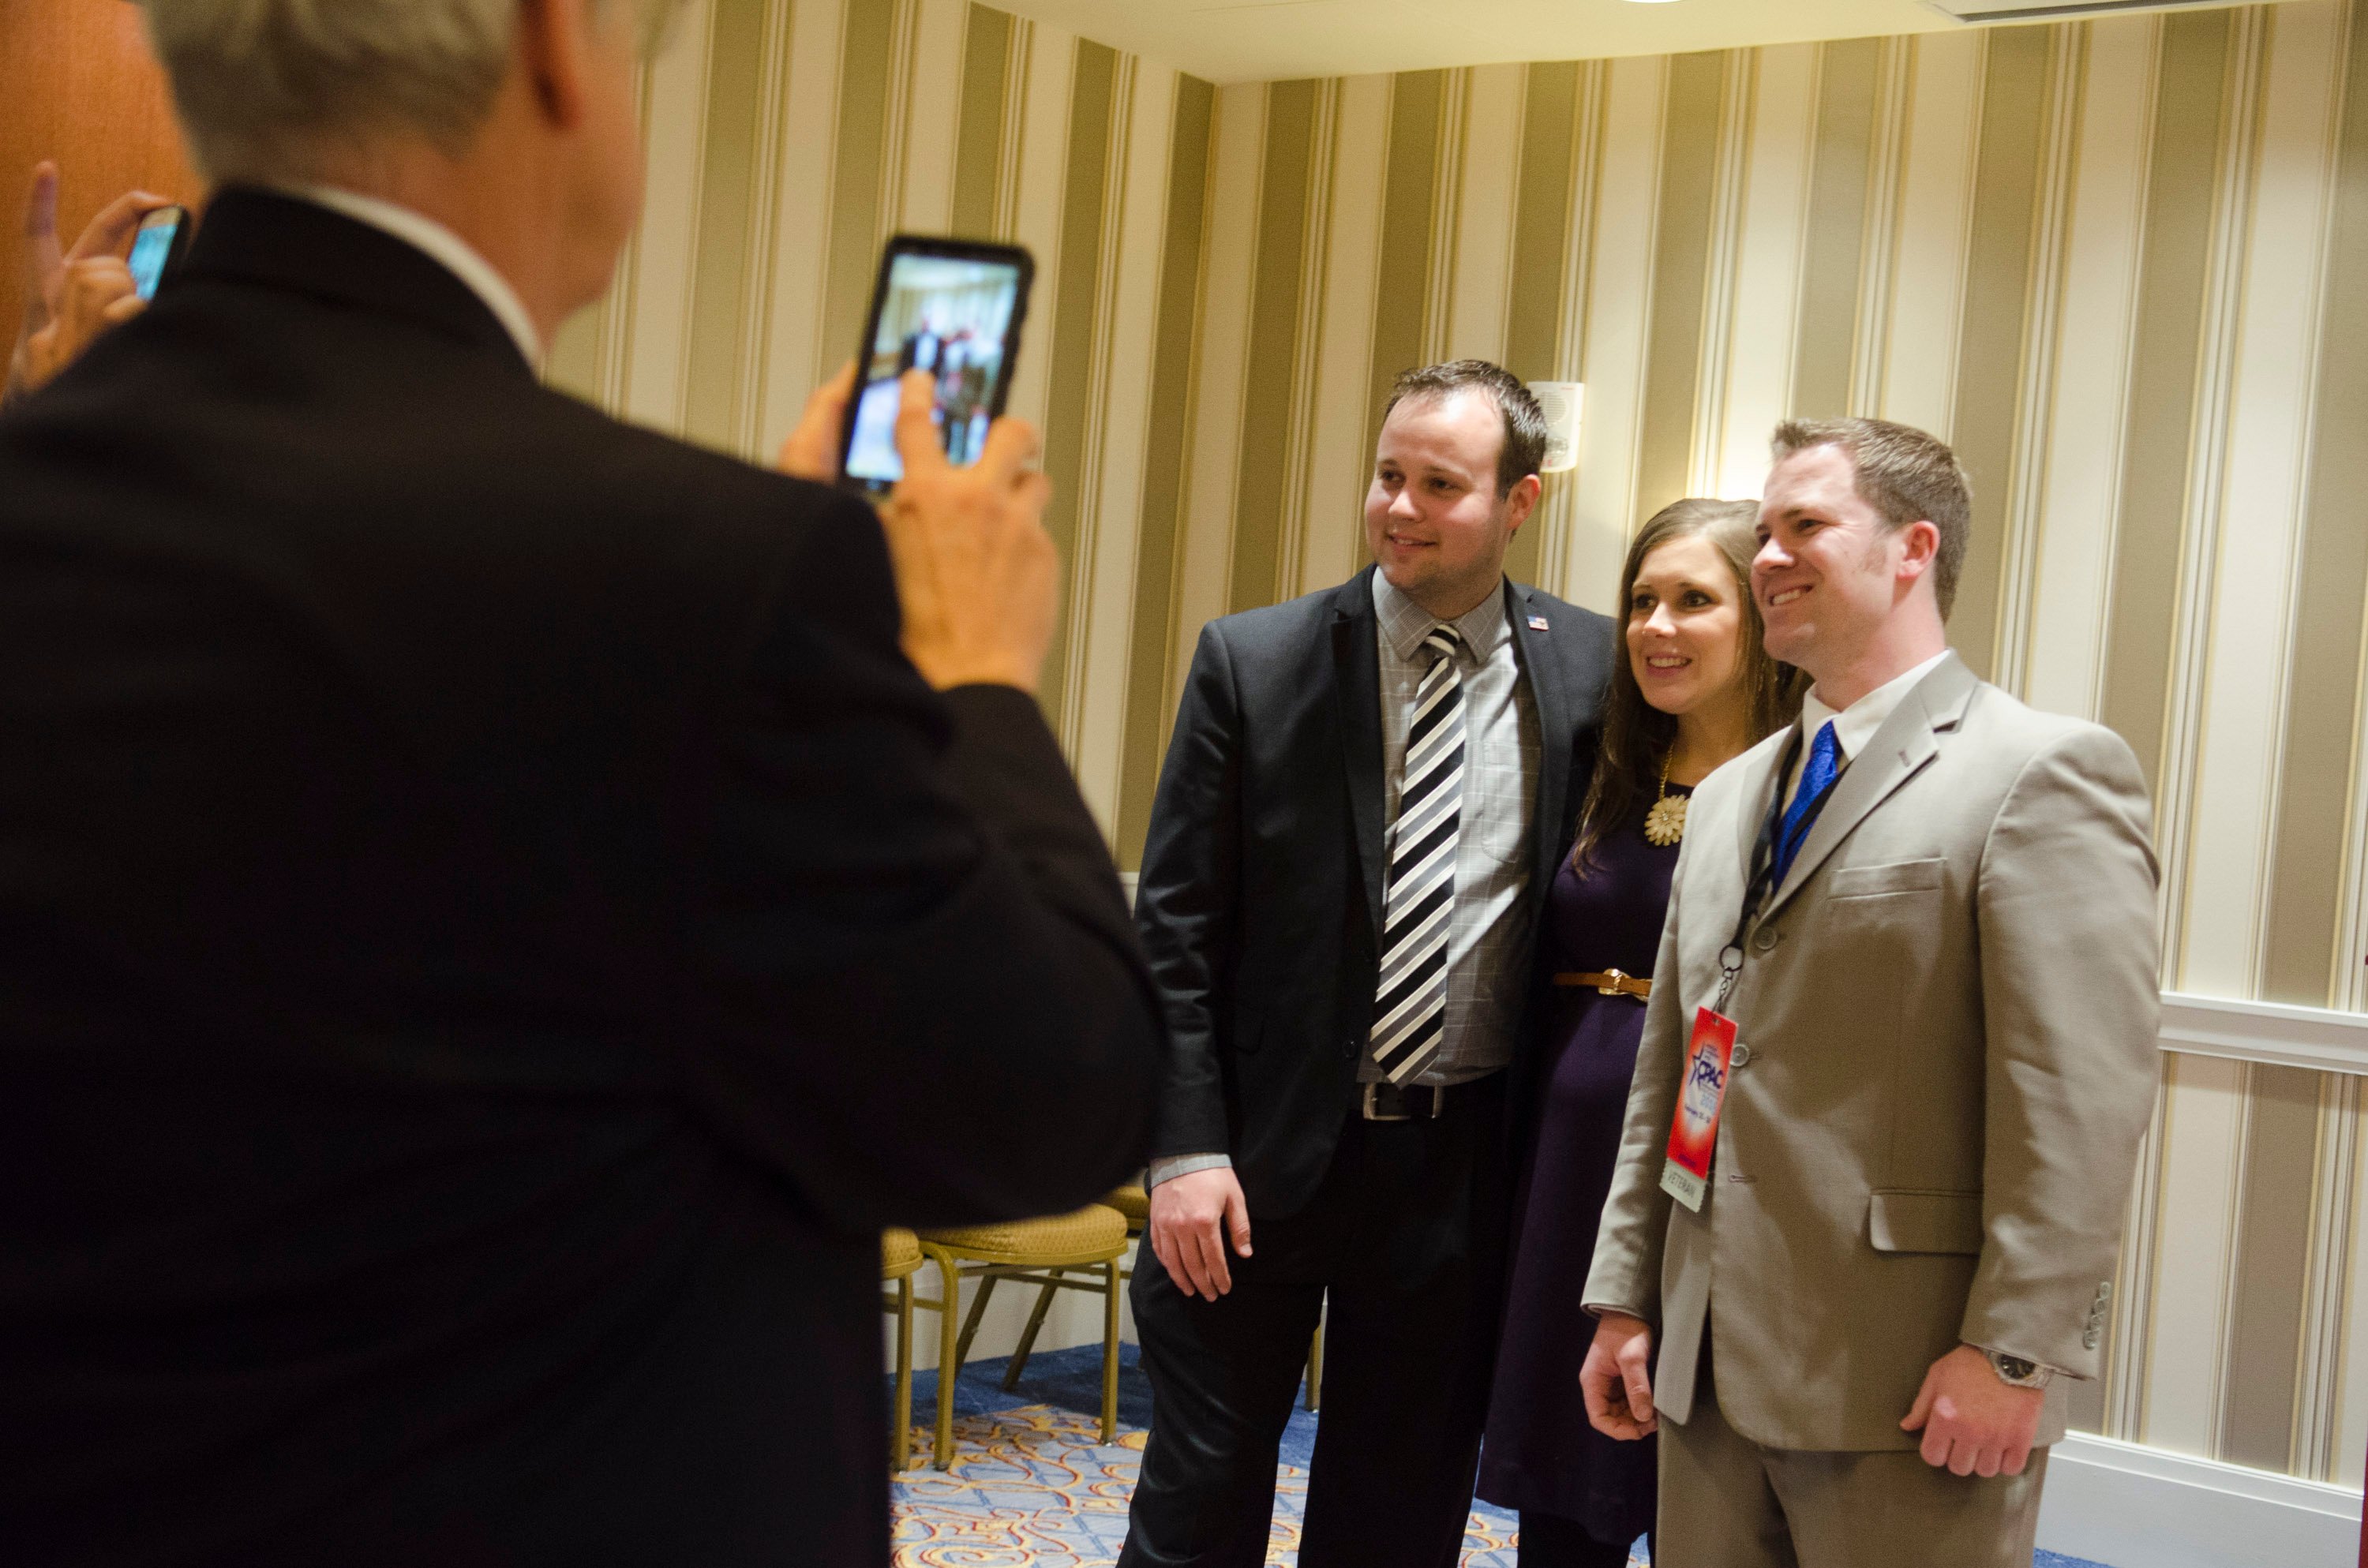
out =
column 953, row 308
column 157, row 247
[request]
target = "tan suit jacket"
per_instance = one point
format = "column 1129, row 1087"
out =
column 1948, row 1018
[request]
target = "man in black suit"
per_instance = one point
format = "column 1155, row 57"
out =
column 492, row 922
column 1359, row 816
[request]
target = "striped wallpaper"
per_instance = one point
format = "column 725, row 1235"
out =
column 2122, row 265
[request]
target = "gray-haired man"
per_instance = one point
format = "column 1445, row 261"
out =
column 493, row 924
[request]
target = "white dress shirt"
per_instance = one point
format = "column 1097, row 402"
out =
column 441, row 245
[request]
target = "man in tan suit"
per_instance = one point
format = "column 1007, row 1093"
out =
column 1930, row 912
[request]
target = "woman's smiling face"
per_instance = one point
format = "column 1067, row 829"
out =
column 1685, row 625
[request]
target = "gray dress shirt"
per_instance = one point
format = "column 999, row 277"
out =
column 1487, row 945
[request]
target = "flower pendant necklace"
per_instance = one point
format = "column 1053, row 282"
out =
column 1666, row 823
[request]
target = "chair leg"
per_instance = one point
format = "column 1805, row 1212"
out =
column 1028, row 1338
column 1110, row 1351
column 948, row 1357
column 969, row 1321
column 1315, row 1366
column 900, row 1440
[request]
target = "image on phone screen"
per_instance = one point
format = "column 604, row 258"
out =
column 151, row 248
column 946, row 315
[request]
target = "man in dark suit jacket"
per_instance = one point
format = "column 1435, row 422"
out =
column 1361, row 811
column 492, row 923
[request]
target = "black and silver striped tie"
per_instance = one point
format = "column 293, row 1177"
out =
column 1410, row 1008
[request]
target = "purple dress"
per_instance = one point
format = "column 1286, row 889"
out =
column 1541, row 1454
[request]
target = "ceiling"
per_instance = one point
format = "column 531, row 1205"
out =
column 1258, row 41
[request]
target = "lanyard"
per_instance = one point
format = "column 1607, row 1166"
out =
column 1763, row 880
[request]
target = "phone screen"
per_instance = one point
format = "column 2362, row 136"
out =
column 152, row 247
column 952, row 317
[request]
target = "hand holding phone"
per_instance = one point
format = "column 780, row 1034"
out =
column 72, row 296
column 951, row 310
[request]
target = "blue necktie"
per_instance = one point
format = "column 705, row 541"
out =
column 1825, row 765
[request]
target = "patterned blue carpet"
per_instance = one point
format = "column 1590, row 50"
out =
column 1032, row 1486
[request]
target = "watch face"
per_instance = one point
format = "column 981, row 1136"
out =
column 2015, row 1370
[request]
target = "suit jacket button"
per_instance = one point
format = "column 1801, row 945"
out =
column 1765, row 939
column 1742, row 1054
column 2088, row 1338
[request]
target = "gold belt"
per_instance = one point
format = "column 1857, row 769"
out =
column 1610, row 982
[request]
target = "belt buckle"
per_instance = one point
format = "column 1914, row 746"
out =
column 1614, row 976
column 1369, row 1094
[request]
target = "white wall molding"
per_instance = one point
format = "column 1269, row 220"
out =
column 2119, row 1502
column 2318, row 1038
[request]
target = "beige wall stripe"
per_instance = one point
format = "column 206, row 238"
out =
column 798, row 355
column 718, row 332
column 978, row 136
column 2240, row 665
column 1927, row 296
column 1715, row 355
column 933, row 128
column 1340, row 463
column 1152, row 681
column 1446, row 199
column 1848, row 76
column 1035, row 178
column 1064, row 341
column 1307, row 346
column 2186, row 1345
column 1543, row 235
column 1768, row 270
column 2271, row 1268
column 1698, row 85
column 676, row 110
column 1274, row 367
column 1879, row 232
column 1409, row 213
column 1557, row 529
column 2304, row 960
column 2015, row 92
column 2196, row 1290
column 853, row 262
column 1125, row 337
column 752, row 362
column 1486, row 186
column 1636, row 103
column 2176, row 248
column 1219, row 376
column 2042, row 321
column 2090, row 388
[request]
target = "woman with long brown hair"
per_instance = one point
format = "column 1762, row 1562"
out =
column 1695, row 691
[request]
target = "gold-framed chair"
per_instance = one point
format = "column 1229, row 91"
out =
column 1046, row 1251
column 900, row 1259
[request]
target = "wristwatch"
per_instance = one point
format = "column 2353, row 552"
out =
column 2021, row 1374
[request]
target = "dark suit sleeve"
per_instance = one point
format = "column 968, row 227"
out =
column 923, row 999
column 1186, row 900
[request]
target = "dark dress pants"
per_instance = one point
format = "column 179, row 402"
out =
column 1407, row 1231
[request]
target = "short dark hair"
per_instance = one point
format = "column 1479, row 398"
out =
column 1525, row 425
column 1906, row 475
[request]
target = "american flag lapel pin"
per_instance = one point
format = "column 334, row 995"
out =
column 1537, row 623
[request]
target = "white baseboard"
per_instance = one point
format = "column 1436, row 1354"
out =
column 2139, row 1507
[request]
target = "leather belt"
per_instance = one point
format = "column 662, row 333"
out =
column 1610, row 982
column 1401, row 1102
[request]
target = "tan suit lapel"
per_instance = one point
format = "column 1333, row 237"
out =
column 1896, row 754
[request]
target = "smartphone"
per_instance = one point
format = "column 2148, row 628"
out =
column 953, row 308
column 158, row 248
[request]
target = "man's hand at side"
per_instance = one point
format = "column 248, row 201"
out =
column 1974, row 1422
column 71, row 296
column 976, row 574
column 1190, row 1215
column 1616, row 1381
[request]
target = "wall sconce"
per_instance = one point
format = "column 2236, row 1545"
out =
column 1560, row 401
